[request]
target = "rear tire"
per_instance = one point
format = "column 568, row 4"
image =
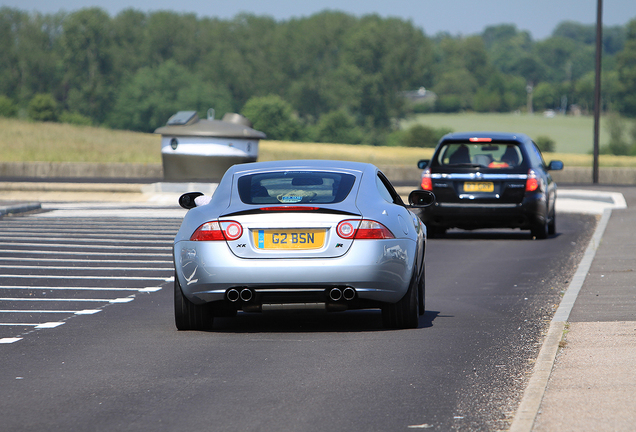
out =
column 190, row 316
column 552, row 224
column 422, row 292
column 540, row 230
column 404, row 314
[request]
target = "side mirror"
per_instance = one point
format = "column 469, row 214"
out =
column 422, row 163
column 421, row 198
column 187, row 200
column 555, row 165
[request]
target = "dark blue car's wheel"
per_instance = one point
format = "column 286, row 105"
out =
column 189, row 316
column 552, row 224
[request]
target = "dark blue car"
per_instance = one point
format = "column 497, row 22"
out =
column 489, row 180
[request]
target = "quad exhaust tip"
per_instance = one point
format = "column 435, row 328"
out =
column 234, row 295
column 336, row 294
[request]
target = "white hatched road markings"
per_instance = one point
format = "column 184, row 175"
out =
column 82, row 268
column 109, row 261
column 47, row 288
column 36, row 299
column 91, row 246
column 145, row 233
column 59, row 253
column 90, row 277
column 89, row 240
column 44, row 311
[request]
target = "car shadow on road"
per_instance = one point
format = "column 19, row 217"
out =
column 485, row 234
column 303, row 322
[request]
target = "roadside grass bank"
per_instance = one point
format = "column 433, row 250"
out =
column 24, row 141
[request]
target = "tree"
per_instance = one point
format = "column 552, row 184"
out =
column 43, row 107
column 273, row 116
column 626, row 65
column 338, row 127
column 86, row 42
column 152, row 95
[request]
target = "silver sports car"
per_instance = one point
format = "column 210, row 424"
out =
column 300, row 235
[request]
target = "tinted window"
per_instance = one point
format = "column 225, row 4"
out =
column 490, row 155
column 295, row 187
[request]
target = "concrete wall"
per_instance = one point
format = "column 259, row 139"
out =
column 395, row 173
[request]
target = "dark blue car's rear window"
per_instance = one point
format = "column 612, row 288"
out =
column 488, row 155
column 295, row 187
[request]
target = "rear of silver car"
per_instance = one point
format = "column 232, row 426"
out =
column 295, row 261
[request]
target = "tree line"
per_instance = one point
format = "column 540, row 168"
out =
column 330, row 77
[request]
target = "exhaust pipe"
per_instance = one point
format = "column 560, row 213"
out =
column 232, row 295
column 335, row 294
column 349, row 293
column 246, row 295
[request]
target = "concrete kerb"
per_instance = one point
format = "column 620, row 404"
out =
column 19, row 208
column 533, row 395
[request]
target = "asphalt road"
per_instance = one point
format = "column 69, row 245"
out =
column 124, row 366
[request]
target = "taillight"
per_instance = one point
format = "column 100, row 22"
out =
column 532, row 183
column 427, row 182
column 215, row 231
column 366, row 230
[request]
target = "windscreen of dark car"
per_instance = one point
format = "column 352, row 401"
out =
column 490, row 155
column 295, row 187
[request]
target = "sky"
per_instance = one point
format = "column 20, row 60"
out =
column 457, row 17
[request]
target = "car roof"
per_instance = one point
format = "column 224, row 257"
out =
column 311, row 164
column 496, row 136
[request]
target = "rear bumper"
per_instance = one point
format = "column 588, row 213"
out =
column 472, row 215
column 379, row 271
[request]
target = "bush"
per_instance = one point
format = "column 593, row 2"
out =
column 75, row 119
column 417, row 136
column 42, row 108
column 7, row 107
column 448, row 104
column 545, row 144
column 338, row 127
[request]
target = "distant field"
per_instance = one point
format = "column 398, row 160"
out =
column 571, row 134
column 22, row 141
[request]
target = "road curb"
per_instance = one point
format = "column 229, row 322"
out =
column 19, row 208
column 533, row 395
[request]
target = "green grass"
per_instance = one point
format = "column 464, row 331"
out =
column 23, row 141
column 571, row 134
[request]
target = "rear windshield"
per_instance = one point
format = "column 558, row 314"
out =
column 491, row 155
column 295, row 187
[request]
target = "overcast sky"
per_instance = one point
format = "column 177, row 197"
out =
column 464, row 17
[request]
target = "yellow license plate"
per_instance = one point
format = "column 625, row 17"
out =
column 289, row 238
column 479, row 187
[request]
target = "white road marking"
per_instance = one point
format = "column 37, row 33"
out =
column 10, row 340
column 74, row 268
column 91, row 277
column 86, row 237
column 44, row 240
column 44, row 311
column 60, row 253
column 91, row 246
column 28, row 259
column 47, row 288
column 46, row 325
column 39, row 299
